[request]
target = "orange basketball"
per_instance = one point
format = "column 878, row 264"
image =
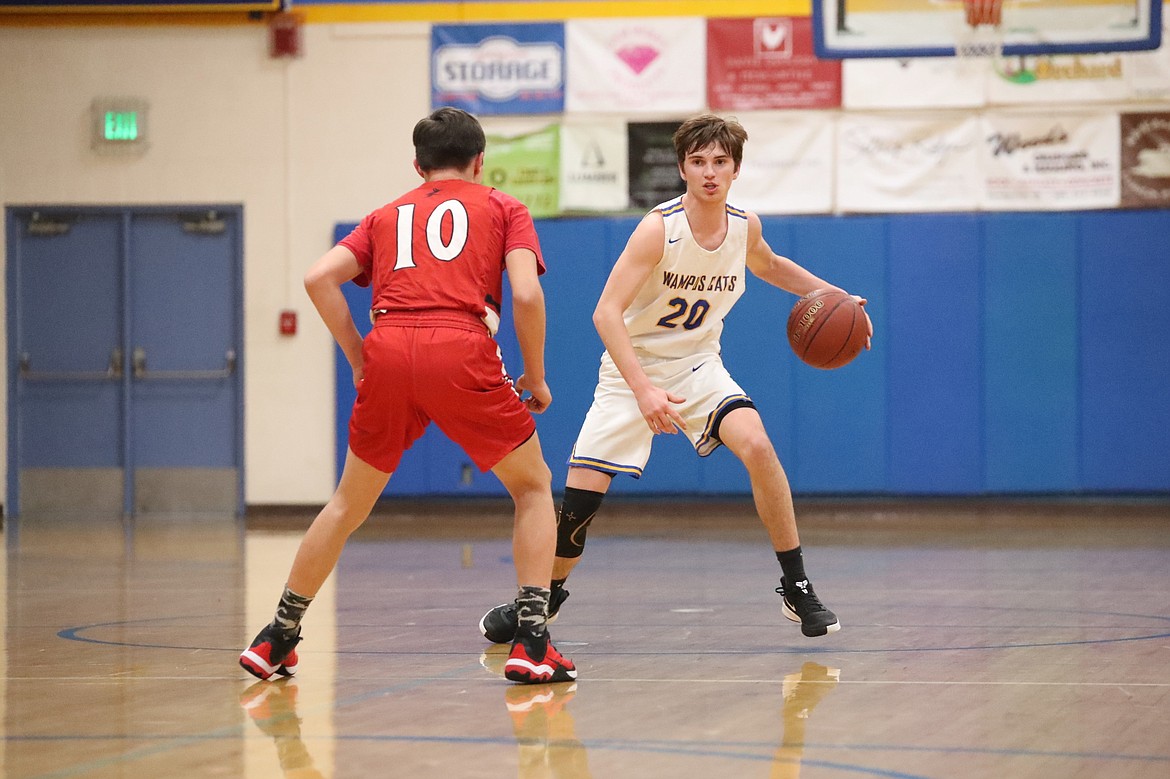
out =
column 827, row 328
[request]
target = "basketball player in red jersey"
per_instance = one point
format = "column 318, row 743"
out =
column 436, row 258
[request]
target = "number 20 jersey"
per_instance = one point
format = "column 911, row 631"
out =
column 679, row 311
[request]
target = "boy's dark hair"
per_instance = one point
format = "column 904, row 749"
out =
column 699, row 132
column 448, row 138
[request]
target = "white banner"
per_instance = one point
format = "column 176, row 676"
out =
column 636, row 66
column 1051, row 161
column 787, row 164
column 896, row 163
column 1148, row 72
column 594, row 166
column 923, row 82
column 1076, row 78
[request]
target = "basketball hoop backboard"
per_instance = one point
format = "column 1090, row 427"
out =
column 932, row 28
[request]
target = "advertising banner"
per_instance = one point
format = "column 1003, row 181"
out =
column 1050, row 161
column 654, row 176
column 924, row 82
column 1076, row 78
column 1149, row 72
column 594, row 166
column 527, row 167
column 1145, row 160
column 787, row 164
column 498, row 68
column 760, row 64
column 636, row 66
column 896, row 163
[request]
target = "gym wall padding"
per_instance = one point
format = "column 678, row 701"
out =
column 1014, row 354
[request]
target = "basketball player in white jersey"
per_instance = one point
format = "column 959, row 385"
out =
column 660, row 317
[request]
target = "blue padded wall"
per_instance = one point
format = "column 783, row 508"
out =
column 1015, row 353
column 1030, row 352
column 1124, row 328
column 932, row 350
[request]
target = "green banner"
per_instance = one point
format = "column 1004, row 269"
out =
column 527, row 167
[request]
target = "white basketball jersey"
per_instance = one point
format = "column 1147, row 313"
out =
column 680, row 309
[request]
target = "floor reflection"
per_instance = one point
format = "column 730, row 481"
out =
column 802, row 691
column 272, row 708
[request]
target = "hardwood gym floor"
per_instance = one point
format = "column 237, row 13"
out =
column 979, row 639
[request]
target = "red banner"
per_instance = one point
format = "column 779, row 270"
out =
column 767, row 63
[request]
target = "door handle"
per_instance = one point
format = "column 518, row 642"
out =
column 138, row 361
column 113, row 371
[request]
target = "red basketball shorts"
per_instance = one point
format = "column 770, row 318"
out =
column 445, row 372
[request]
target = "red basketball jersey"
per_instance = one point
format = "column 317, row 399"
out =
column 441, row 247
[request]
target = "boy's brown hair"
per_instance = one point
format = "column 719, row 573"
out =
column 699, row 132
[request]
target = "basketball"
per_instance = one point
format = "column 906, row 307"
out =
column 827, row 328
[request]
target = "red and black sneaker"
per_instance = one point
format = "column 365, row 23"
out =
column 537, row 661
column 271, row 654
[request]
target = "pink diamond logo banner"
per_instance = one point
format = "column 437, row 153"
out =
column 635, row 66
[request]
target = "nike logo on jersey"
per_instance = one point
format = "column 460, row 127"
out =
column 700, row 365
column 673, row 240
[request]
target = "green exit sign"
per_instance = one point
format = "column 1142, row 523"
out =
column 119, row 124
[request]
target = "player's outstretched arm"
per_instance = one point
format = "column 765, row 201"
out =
column 784, row 273
column 776, row 270
column 528, row 318
column 323, row 283
column 633, row 268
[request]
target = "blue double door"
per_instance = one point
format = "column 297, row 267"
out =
column 124, row 357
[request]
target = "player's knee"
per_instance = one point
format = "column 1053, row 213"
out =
column 756, row 450
column 576, row 513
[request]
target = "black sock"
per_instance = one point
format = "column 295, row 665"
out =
column 559, row 584
column 532, row 612
column 792, row 563
column 290, row 612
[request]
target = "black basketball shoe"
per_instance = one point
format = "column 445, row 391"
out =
column 800, row 604
column 499, row 624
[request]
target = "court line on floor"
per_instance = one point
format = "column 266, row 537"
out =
column 74, row 634
column 105, row 679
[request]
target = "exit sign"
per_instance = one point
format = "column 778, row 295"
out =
column 119, row 124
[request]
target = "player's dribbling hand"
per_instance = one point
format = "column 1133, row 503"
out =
column 539, row 397
column 861, row 302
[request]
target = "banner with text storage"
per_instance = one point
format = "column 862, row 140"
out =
column 636, row 66
column 498, row 68
column 1050, row 161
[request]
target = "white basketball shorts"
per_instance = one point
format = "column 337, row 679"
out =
column 615, row 438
